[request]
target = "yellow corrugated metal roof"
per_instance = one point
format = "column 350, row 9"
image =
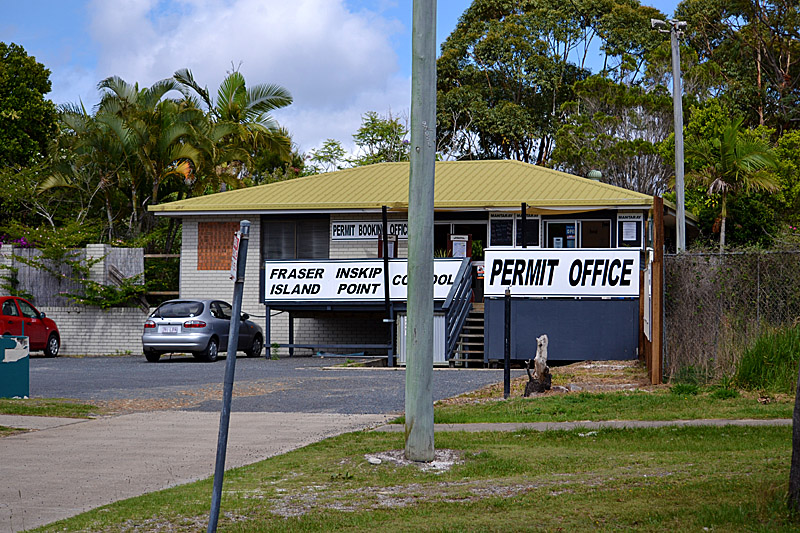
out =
column 459, row 184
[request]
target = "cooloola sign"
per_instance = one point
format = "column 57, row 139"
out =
column 561, row 272
column 348, row 280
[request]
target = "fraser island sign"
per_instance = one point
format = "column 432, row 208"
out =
column 348, row 280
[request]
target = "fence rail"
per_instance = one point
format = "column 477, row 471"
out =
column 717, row 304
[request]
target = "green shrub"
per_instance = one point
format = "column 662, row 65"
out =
column 725, row 394
column 770, row 364
column 684, row 389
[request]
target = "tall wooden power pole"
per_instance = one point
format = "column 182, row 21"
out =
column 419, row 327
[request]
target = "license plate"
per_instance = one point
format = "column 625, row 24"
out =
column 169, row 329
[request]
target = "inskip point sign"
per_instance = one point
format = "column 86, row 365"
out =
column 569, row 273
column 363, row 280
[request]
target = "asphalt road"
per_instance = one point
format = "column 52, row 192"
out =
column 301, row 385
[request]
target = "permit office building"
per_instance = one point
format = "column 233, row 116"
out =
column 569, row 250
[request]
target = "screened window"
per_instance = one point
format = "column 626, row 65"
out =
column 307, row 238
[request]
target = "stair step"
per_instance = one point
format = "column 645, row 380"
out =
column 467, row 351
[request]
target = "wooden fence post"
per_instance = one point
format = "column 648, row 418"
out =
column 655, row 368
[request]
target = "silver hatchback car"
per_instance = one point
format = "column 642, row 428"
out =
column 197, row 326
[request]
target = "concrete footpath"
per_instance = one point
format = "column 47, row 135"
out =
column 67, row 466
column 565, row 426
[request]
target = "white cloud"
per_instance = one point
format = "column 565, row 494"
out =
column 336, row 63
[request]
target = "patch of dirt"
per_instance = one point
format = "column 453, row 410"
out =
column 583, row 376
column 443, row 460
column 188, row 398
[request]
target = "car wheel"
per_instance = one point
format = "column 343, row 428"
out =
column 211, row 353
column 151, row 356
column 52, row 346
column 255, row 348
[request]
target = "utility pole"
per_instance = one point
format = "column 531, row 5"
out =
column 676, row 28
column 419, row 327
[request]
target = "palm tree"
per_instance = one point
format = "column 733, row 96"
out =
column 732, row 161
column 247, row 108
column 158, row 133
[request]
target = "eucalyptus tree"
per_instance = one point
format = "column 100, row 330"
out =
column 248, row 110
column 753, row 48
column 619, row 130
column 509, row 66
column 730, row 161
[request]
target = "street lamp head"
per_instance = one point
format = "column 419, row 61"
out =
column 655, row 23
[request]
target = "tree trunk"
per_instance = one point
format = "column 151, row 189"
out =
column 724, row 215
column 794, row 471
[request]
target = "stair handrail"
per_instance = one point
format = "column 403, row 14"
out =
column 457, row 306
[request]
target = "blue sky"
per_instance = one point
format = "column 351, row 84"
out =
column 339, row 58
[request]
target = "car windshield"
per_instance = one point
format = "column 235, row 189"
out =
column 179, row 309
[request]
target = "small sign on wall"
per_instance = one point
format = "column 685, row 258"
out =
column 365, row 230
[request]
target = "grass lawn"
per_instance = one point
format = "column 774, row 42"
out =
column 48, row 407
column 661, row 404
column 681, row 479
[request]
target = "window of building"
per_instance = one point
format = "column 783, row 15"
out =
column 505, row 229
column 579, row 234
column 305, row 238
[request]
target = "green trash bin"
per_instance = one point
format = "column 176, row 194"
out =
column 14, row 367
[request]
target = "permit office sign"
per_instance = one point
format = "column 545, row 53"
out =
column 562, row 272
column 288, row 281
column 367, row 230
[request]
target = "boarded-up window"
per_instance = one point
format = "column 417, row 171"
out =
column 215, row 244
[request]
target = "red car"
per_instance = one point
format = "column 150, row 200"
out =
column 19, row 317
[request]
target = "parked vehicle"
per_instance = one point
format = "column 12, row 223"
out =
column 200, row 327
column 20, row 317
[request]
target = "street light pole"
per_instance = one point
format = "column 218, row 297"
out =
column 675, row 30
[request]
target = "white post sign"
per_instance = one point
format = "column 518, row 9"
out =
column 286, row 281
column 562, row 272
column 235, row 255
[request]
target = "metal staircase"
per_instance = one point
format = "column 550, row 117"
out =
column 469, row 347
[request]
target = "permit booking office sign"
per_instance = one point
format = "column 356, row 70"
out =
column 562, row 272
column 345, row 280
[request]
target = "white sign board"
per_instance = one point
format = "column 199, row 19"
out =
column 564, row 272
column 235, row 255
column 367, row 230
column 352, row 281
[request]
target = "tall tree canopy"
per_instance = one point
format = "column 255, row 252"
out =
column 509, row 66
column 27, row 119
column 753, row 46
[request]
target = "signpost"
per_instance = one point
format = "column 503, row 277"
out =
column 238, row 261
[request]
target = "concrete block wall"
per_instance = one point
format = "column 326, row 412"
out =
column 95, row 331
column 340, row 328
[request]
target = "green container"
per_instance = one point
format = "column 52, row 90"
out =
column 14, row 367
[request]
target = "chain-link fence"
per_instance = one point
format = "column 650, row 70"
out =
column 717, row 304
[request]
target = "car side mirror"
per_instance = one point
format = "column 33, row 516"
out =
column 245, row 316
column 42, row 315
